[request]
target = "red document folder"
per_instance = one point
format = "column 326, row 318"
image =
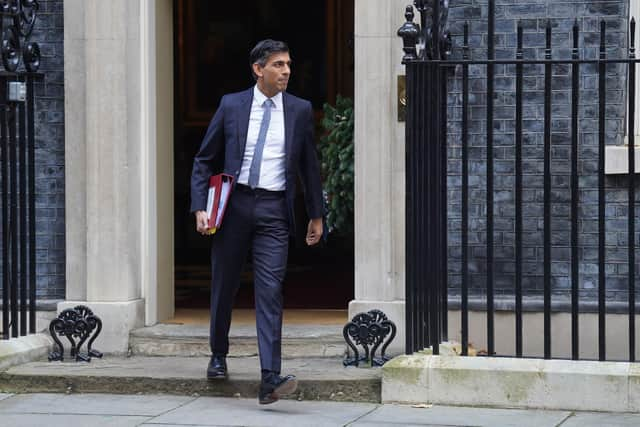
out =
column 217, row 200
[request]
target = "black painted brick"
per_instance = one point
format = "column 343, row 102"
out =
column 49, row 165
column 534, row 16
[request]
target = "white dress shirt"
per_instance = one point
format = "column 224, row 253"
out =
column 272, row 170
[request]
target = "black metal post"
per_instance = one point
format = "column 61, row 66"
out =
column 438, row 148
column 601, row 195
column 575, row 261
column 23, row 217
column 490, row 81
column 6, row 295
column 547, row 196
column 632, row 197
column 410, row 154
column 13, row 219
column 410, row 33
column 435, row 249
column 518, row 184
column 32, row 201
column 426, row 170
column 464, row 230
column 444, row 288
column 422, row 206
column 409, row 241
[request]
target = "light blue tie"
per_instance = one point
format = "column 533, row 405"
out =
column 256, row 162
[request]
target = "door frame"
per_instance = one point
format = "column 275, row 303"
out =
column 157, row 136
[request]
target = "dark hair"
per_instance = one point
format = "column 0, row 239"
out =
column 263, row 50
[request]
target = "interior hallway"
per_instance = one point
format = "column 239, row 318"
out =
column 245, row 316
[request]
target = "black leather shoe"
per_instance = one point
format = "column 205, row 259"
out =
column 217, row 368
column 272, row 388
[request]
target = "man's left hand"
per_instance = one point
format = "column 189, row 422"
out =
column 314, row 231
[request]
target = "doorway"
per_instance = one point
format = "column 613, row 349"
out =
column 212, row 44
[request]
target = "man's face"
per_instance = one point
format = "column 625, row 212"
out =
column 274, row 76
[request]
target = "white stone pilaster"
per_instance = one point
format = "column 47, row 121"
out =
column 379, row 163
column 119, row 217
column 113, row 159
column 75, row 149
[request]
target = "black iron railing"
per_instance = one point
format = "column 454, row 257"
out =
column 17, row 166
column 429, row 62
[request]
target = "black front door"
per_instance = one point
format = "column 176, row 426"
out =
column 212, row 44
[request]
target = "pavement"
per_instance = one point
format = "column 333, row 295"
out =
column 97, row 410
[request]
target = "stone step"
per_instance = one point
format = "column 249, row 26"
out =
column 319, row 379
column 193, row 341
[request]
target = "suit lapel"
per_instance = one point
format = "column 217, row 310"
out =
column 244, row 111
column 288, row 125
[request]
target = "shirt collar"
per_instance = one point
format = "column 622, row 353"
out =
column 260, row 97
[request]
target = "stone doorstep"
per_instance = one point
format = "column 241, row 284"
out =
column 193, row 341
column 512, row 383
column 24, row 349
column 319, row 379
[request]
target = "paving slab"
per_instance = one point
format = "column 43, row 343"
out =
column 181, row 425
column 161, row 410
column 460, row 416
column 92, row 404
column 39, row 420
column 585, row 419
column 246, row 412
column 319, row 379
column 400, row 424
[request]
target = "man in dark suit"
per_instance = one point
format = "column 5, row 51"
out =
column 264, row 137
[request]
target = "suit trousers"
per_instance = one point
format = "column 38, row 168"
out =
column 256, row 220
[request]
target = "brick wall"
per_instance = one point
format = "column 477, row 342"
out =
column 50, row 225
column 534, row 16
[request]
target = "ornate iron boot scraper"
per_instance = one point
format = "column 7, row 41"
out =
column 76, row 323
column 369, row 330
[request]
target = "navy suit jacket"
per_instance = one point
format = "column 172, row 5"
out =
column 226, row 138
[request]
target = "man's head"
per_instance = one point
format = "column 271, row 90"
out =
column 270, row 66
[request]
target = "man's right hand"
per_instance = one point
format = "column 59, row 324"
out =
column 201, row 222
